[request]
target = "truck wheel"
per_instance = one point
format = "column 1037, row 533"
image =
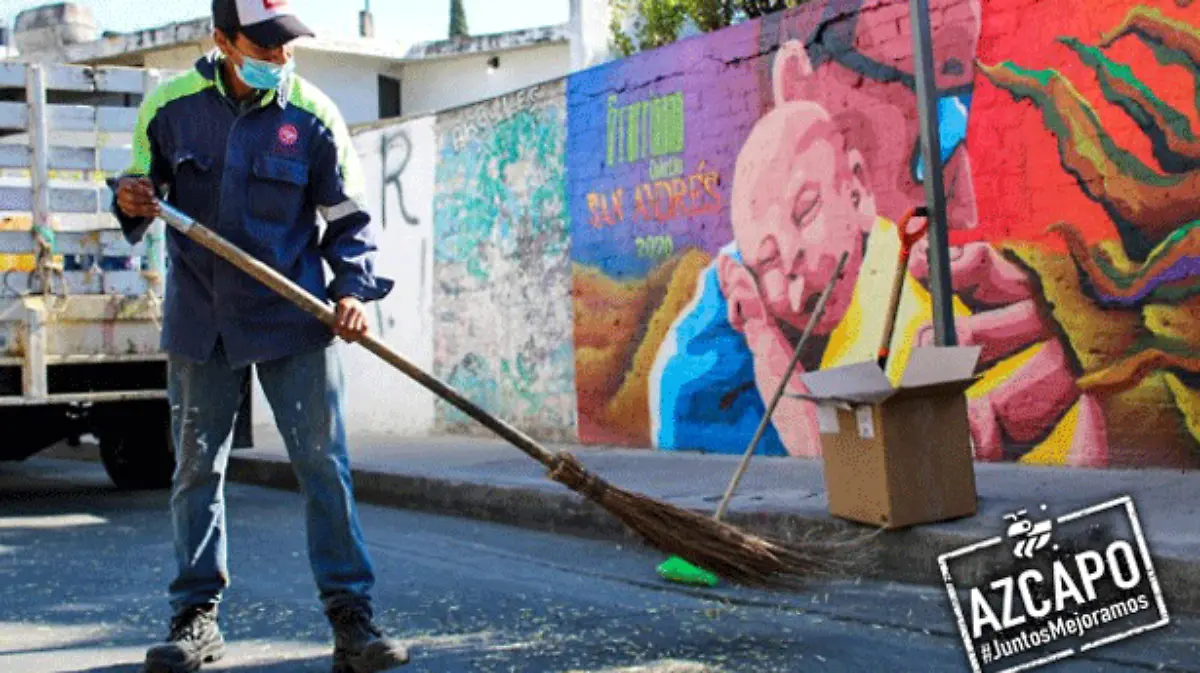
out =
column 136, row 447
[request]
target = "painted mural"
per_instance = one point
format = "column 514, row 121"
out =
column 1086, row 130
column 710, row 206
column 502, row 314
column 714, row 184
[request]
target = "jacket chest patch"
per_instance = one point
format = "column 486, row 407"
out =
column 288, row 135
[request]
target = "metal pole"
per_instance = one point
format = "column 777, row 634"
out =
column 935, row 196
column 39, row 138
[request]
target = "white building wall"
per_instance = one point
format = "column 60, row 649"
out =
column 380, row 399
column 350, row 81
column 447, row 83
column 426, row 87
column 589, row 33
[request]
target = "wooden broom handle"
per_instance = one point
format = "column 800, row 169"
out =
column 813, row 319
column 326, row 314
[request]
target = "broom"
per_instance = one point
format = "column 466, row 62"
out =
column 677, row 569
column 723, row 549
column 908, row 239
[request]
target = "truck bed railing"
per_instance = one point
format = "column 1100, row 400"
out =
column 73, row 293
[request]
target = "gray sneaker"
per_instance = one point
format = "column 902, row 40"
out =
column 194, row 640
column 359, row 646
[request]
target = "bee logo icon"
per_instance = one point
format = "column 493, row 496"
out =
column 1030, row 536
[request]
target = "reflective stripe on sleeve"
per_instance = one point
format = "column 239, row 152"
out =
column 344, row 209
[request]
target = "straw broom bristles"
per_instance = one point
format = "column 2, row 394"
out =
column 718, row 547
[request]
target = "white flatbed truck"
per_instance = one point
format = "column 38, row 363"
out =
column 80, row 309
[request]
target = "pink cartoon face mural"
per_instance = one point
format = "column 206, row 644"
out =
column 803, row 194
column 799, row 202
column 874, row 47
column 826, row 171
column 863, row 75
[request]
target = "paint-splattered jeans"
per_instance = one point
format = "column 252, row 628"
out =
column 306, row 394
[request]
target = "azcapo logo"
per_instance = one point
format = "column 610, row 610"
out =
column 1066, row 585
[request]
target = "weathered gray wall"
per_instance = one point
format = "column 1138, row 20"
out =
column 502, row 310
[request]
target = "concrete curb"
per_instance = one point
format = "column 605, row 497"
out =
column 908, row 556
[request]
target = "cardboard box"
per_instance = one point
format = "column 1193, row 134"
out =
column 897, row 457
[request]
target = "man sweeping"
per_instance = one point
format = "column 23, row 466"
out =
column 244, row 144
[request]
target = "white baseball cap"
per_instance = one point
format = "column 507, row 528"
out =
column 267, row 23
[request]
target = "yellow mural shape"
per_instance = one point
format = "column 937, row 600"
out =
column 858, row 335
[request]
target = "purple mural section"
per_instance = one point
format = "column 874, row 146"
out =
column 652, row 141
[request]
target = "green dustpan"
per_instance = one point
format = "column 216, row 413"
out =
column 676, row 569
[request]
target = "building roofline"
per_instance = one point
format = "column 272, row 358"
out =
column 112, row 45
column 183, row 33
column 377, row 124
column 489, row 43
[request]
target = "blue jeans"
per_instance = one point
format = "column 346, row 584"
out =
column 306, row 395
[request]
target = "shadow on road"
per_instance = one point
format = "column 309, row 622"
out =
column 304, row 665
column 42, row 484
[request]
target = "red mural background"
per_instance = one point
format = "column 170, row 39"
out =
column 1086, row 168
column 1020, row 184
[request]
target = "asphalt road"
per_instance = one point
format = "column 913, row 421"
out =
column 83, row 571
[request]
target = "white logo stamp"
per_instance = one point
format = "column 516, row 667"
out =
column 1051, row 588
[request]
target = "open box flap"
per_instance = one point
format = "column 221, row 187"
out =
column 933, row 365
column 935, row 390
column 863, row 382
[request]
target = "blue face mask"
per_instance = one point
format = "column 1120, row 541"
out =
column 263, row 75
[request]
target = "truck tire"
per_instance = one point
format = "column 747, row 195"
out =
column 136, row 447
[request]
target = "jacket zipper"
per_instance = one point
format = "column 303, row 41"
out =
column 237, row 117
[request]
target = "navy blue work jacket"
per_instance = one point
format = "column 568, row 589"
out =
column 258, row 174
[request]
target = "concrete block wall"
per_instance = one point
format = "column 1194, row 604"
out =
column 626, row 257
column 502, row 319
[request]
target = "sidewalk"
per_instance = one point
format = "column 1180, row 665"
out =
column 487, row 479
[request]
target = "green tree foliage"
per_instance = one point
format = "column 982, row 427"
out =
column 756, row 8
column 654, row 23
column 458, row 19
column 637, row 25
